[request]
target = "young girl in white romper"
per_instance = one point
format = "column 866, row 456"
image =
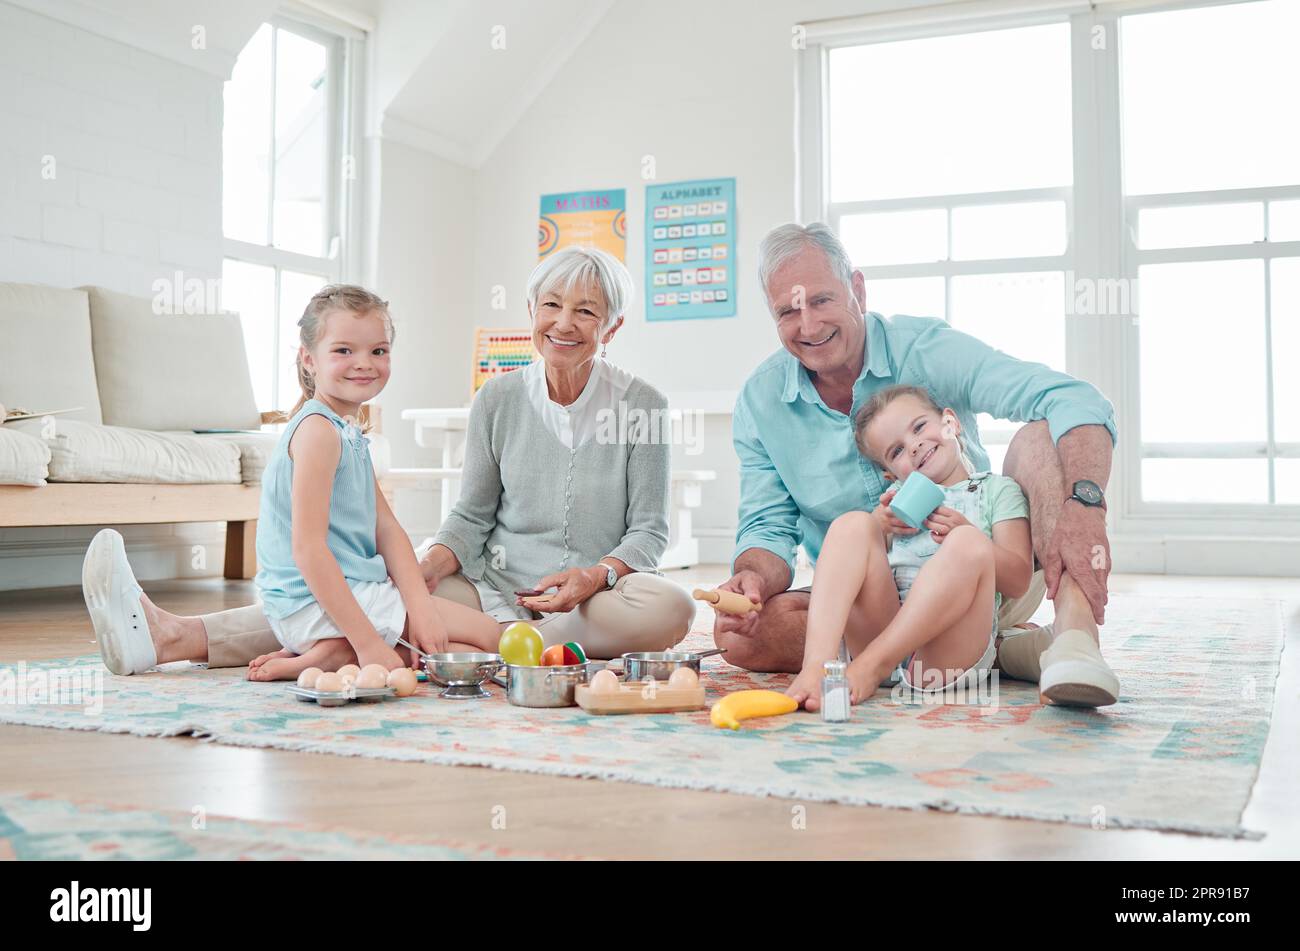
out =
column 337, row 576
column 925, row 599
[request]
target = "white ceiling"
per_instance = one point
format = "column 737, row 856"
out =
column 462, row 95
column 167, row 27
column 450, row 77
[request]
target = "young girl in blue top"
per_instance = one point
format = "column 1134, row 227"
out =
column 926, row 600
column 337, row 575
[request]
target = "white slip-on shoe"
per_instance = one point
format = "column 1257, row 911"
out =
column 113, row 600
column 1075, row 674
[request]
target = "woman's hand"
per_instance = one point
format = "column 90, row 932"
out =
column 427, row 631
column 942, row 521
column 438, row 562
column 572, row 588
column 890, row 523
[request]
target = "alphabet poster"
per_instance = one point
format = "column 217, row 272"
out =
column 596, row 219
column 690, row 242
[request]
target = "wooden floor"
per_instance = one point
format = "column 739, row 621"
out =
column 587, row 817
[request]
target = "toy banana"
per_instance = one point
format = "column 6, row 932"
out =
column 747, row 704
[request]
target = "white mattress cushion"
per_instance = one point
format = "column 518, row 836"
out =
column 254, row 451
column 80, row 452
column 192, row 374
column 46, row 360
column 23, row 460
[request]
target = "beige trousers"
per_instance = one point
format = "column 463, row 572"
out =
column 1019, row 610
column 642, row 612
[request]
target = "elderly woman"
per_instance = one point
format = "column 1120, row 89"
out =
column 553, row 497
column 557, row 492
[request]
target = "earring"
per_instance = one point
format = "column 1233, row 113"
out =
column 603, row 347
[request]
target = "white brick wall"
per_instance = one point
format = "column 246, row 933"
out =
column 136, row 142
column 136, row 147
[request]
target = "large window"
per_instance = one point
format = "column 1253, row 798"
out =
column 1026, row 175
column 951, row 203
column 286, row 191
column 1211, row 150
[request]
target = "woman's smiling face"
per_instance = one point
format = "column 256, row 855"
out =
column 567, row 325
column 909, row 436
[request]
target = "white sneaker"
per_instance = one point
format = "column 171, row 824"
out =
column 1075, row 674
column 113, row 599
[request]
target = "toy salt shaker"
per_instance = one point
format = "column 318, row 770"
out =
column 835, row 692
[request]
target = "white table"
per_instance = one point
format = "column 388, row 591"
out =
column 445, row 426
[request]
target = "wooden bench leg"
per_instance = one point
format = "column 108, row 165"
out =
column 241, row 549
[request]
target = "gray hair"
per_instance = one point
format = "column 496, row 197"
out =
column 785, row 241
column 577, row 266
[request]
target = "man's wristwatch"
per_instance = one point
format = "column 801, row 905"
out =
column 611, row 576
column 1088, row 493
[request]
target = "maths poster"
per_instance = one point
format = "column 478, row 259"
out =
column 597, row 219
column 690, row 242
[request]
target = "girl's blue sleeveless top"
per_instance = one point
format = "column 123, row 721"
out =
column 351, row 537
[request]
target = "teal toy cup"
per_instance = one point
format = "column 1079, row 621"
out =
column 916, row 500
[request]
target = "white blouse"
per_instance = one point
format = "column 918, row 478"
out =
column 575, row 424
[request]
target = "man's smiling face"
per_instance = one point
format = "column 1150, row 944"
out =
column 819, row 319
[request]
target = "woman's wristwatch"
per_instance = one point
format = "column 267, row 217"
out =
column 611, row 576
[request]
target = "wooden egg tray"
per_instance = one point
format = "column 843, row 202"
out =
column 629, row 699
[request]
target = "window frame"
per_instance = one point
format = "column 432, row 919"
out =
column 340, row 260
column 1101, row 349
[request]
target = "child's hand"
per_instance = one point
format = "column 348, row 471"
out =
column 890, row 523
column 942, row 521
column 427, row 631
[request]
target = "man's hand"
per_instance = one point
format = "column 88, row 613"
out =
column 1078, row 547
column 750, row 584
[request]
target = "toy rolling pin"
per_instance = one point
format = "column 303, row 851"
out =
column 728, row 602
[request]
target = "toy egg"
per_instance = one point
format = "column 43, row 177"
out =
column 683, row 678
column 349, row 672
column 329, row 683
column 308, row 677
column 403, row 681
column 374, row 675
column 604, row 681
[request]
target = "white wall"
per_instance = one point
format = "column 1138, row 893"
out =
column 136, row 194
column 134, row 144
column 423, row 255
column 707, row 90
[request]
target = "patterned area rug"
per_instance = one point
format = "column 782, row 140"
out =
column 1180, row 751
column 39, row 827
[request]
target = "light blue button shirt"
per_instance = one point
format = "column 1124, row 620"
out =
column 799, row 466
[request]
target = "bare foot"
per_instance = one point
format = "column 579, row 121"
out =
column 806, row 689
column 259, row 661
column 864, row 679
column 275, row 667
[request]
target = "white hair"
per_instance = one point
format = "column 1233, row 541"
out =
column 785, row 241
column 582, row 267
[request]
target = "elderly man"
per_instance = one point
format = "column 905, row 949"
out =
column 800, row 467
